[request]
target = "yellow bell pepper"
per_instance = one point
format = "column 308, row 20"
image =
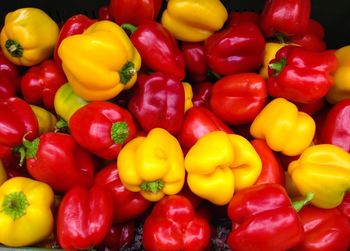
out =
column 271, row 49
column 46, row 119
column 220, row 163
column 341, row 87
column 194, row 20
column 3, row 174
column 323, row 170
column 28, row 36
column 25, row 212
column 284, row 128
column 188, row 95
column 152, row 165
column 101, row 62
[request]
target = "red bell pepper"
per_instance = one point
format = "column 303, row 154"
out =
column 40, row 83
column 84, row 217
column 103, row 13
column 201, row 94
column 134, row 12
column 158, row 101
column 285, row 17
column 174, row 225
column 7, row 88
column 119, row 237
column 158, row 48
column 127, row 205
column 11, row 71
column 195, row 61
column 237, row 17
column 263, row 218
column 335, row 129
column 325, row 230
column 313, row 107
column 301, row 75
column 272, row 169
column 344, row 207
column 103, row 128
column 238, row 98
column 197, row 122
column 58, row 160
column 17, row 120
column 239, row 48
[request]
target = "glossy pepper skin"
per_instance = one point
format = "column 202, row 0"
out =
column 284, row 128
column 152, row 165
column 46, row 119
column 158, row 101
column 175, row 225
column 17, row 120
column 101, row 62
column 58, row 160
column 344, row 207
column 263, row 219
column 25, row 216
column 325, row 230
column 134, row 11
column 119, row 236
column 7, row 88
column 285, row 17
column 236, row 49
column 28, row 36
column 238, row 98
column 40, row 83
column 10, row 71
column 201, row 94
column 193, row 20
column 324, row 170
column 158, row 48
column 223, row 162
column 84, row 217
column 103, row 128
column 271, row 48
column 127, row 205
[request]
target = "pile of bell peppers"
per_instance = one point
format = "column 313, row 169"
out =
column 156, row 121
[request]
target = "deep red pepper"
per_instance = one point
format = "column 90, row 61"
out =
column 40, row 83
column 237, row 17
column 11, row 71
column 134, row 12
column 336, row 128
column 158, row 48
column 103, row 128
column 84, row 217
column 344, row 207
column 301, row 75
column 158, row 101
column 12, row 166
column 58, row 160
column 174, row 225
column 325, row 230
column 119, row 237
column 127, row 205
column 195, row 61
column 201, row 94
column 238, row 98
column 7, row 88
column 239, row 48
column 313, row 107
column 103, row 13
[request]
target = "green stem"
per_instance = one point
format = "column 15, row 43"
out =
column 127, row 72
column 61, row 126
column 15, row 205
column 31, row 147
column 278, row 66
column 14, row 48
column 129, row 27
column 280, row 38
column 119, row 132
column 152, row 186
column 299, row 204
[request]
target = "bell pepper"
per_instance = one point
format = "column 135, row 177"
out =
column 158, row 48
column 236, row 49
column 188, row 96
column 101, row 62
column 7, row 88
column 28, row 36
column 344, row 206
column 285, row 18
column 313, row 108
column 58, row 160
column 158, row 101
column 11, row 71
column 103, row 13
column 263, row 218
column 237, row 17
column 102, row 128
column 301, row 75
column 201, row 94
column 324, row 170
column 341, row 88
column 152, row 165
column 46, row 119
column 40, row 83
column 17, row 120
column 134, row 11
column 197, row 122
column 245, row 92
column 75, row 24
column 193, row 20
column 84, row 217
column 223, row 162
column 3, row 174
column 25, row 216
column 120, row 236
column 174, row 225
column 284, row 128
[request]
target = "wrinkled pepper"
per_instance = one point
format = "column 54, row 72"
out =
column 46, row 119
column 152, row 165
column 324, row 170
column 25, row 216
column 223, row 162
column 101, row 62
column 175, row 225
column 284, row 128
column 28, row 36
column 194, row 20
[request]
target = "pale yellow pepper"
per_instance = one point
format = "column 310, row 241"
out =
column 188, row 95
